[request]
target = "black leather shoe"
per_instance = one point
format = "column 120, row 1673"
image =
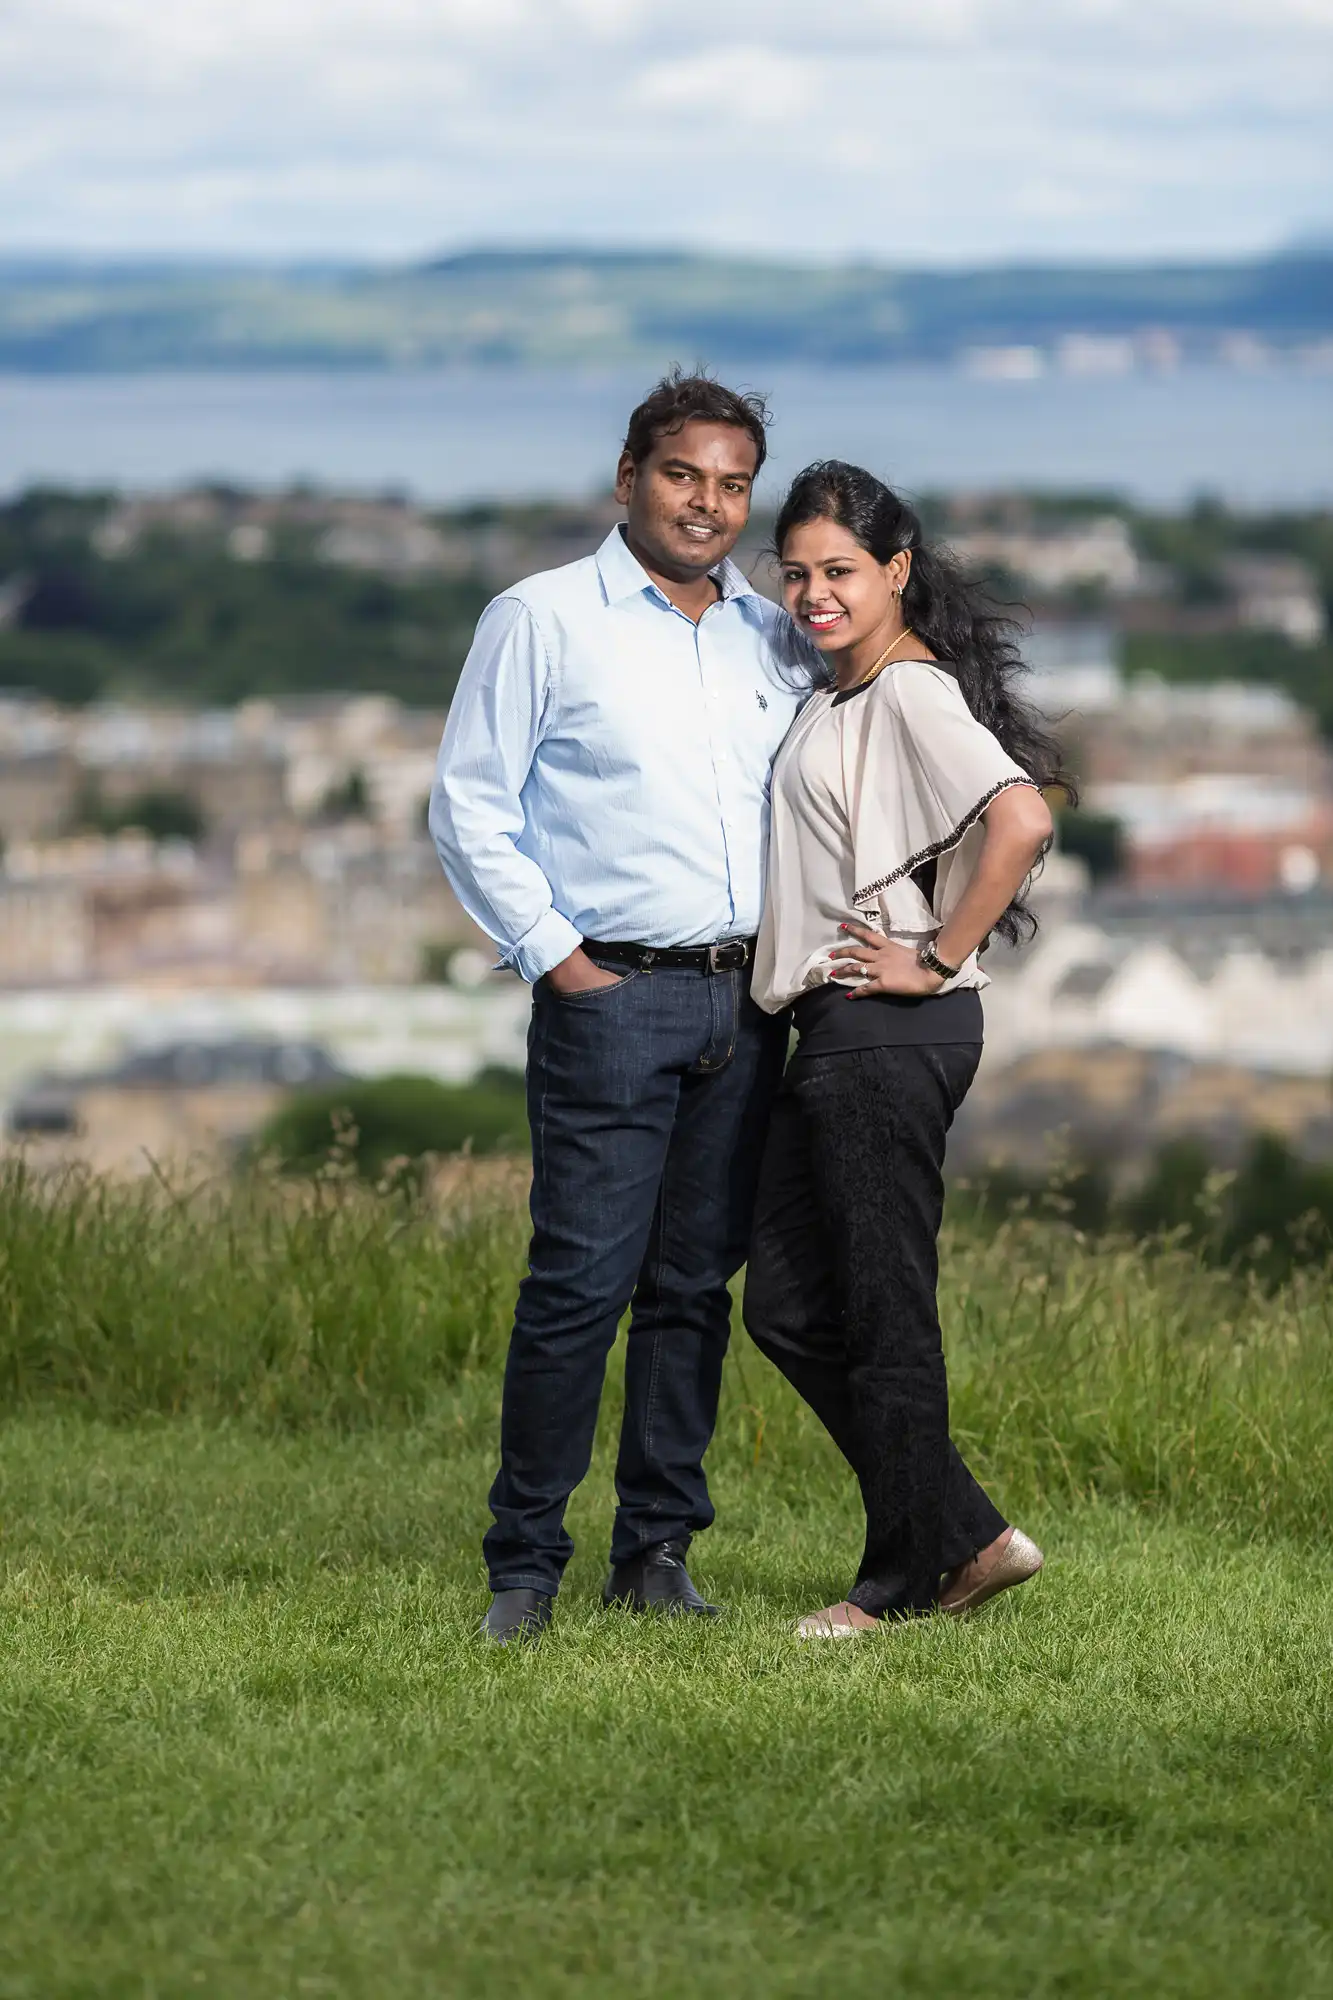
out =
column 517, row 1617
column 657, row 1580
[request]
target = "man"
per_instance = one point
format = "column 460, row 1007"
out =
column 600, row 807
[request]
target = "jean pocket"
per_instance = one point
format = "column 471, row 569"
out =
column 584, row 994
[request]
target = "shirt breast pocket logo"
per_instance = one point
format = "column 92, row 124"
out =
column 762, row 699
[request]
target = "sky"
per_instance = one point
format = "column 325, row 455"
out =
column 952, row 131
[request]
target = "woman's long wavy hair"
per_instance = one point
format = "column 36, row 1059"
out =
column 951, row 613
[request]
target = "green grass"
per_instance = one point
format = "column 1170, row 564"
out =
column 249, row 1743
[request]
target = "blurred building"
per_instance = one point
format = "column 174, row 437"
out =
column 1217, row 785
column 96, row 906
column 331, row 742
column 345, row 905
column 1117, row 1105
column 1278, row 594
column 1144, row 730
column 1232, row 979
column 45, row 932
column 1143, row 1018
column 307, row 861
column 388, row 536
column 1057, row 558
column 349, row 904
column 1231, row 831
column 230, row 764
column 242, row 769
column 197, row 1099
column 1288, row 859
column 39, row 772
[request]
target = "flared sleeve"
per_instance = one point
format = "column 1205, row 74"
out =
column 926, row 772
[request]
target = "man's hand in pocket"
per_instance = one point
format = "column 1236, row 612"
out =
column 578, row 974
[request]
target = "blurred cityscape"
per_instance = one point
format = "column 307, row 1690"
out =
column 219, row 714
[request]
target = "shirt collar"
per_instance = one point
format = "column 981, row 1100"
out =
column 623, row 575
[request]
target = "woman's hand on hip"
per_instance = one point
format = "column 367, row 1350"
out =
column 884, row 967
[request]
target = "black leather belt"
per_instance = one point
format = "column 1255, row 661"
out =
column 729, row 956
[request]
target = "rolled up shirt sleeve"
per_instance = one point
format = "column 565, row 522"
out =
column 496, row 722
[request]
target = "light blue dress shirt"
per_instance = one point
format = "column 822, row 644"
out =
column 605, row 767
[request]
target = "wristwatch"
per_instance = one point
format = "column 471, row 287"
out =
column 930, row 958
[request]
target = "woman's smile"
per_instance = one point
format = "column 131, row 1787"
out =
column 824, row 619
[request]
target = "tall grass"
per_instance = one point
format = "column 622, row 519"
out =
column 1137, row 1370
column 327, row 1303
column 1077, row 1368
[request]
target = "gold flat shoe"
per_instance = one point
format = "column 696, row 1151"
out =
column 1020, row 1560
column 833, row 1623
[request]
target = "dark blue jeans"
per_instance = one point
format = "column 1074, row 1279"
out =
column 649, row 1103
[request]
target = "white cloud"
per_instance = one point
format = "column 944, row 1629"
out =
column 747, row 86
column 961, row 129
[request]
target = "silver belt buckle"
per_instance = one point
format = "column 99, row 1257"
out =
column 715, row 958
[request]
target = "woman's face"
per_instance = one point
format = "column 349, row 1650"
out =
column 834, row 589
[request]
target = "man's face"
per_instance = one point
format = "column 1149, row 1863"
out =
column 690, row 498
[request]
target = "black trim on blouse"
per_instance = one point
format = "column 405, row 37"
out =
column 862, row 687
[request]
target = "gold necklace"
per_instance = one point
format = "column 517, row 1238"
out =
column 883, row 660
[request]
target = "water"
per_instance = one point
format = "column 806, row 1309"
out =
column 1262, row 438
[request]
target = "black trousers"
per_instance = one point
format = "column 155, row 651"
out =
column 840, row 1294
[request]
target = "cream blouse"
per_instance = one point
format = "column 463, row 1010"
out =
column 869, row 789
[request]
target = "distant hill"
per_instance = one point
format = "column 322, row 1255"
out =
column 575, row 306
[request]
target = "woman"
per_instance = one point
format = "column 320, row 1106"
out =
column 906, row 820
